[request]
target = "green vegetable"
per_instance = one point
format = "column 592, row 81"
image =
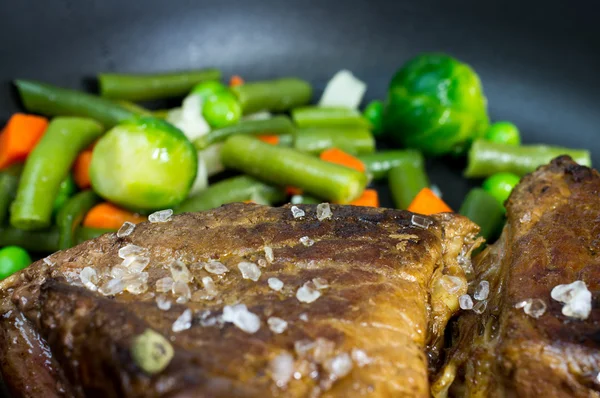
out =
column 72, row 214
column 277, row 125
column 44, row 241
column 503, row 133
column 13, row 259
column 500, row 185
column 487, row 158
column 209, row 88
column 83, row 234
column 316, row 116
column 150, row 87
column 47, row 166
column 484, row 210
column 221, row 110
column 66, row 189
column 374, row 114
column 379, row 164
column 8, row 191
column 405, row 182
column 55, row 101
column 315, row 140
column 273, row 95
column 286, row 166
column 135, row 108
column 304, row 200
column 146, row 164
column 436, row 104
column 151, row 352
column 235, row 189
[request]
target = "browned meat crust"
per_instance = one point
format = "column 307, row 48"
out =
column 379, row 266
column 552, row 237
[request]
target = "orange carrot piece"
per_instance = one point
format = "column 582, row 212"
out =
column 426, row 202
column 340, row 157
column 19, row 137
column 269, row 139
column 106, row 215
column 369, row 198
column 291, row 191
column 236, row 81
column 81, row 169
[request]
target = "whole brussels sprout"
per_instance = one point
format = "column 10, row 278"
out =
column 436, row 104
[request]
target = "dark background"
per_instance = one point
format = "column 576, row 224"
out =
column 539, row 60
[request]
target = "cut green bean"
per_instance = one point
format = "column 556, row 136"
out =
column 314, row 140
column 276, row 125
column 316, row 116
column 235, row 189
column 484, row 210
column 405, row 182
column 153, row 86
column 288, row 167
column 379, row 164
column 72, row 214
column 44, row 241
column 83, row 234
column 47, row 166
column 66, row 189
column 487, row 158
column 273, row 95
column 135, row 108
column 50, row 100
column 8, row 190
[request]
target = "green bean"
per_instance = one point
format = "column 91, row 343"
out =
column 46, row 167
column 273, row 95
column 135, row 108
column 304, row 200
column 235, row 189
column 155, row 86
column 487, row 158
column 8, row 190
column 484, row 210
column 43, row 241
column 286, row 166
column 66, row 189
column 83, row 234
column 379, row 164
column 405, row 182
column 71, row 215
column 274, row 126
column 55, row 101
column 315, row 140
column 316, row 116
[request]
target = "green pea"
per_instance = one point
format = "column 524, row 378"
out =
column 66, row 189
column 13, row 259
column 222, row 110
column 209, row 88
column 500, row 185
column 503, row 133
column 374, row 114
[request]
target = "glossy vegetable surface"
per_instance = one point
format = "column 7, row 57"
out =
column 316, row 116
column 378, row 164
column 13, row 259
column 315, row 140
column 71, row 215
column 273, row 95
column 406, row 181
column 66, row 189
column 485, row 210
column 500, row 185
column 221, row 109
column 374, row 114
column 503, row 133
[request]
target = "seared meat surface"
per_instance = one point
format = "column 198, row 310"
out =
column 364, row 302
column 552, row 238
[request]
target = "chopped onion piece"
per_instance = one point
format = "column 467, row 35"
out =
column 343, row 90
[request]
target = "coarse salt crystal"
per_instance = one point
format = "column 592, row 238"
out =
column 161, row 216
column 277, row 325
column 249, row 270
column 480, row 307
column 89, row 278
column 136, row 264
column 340, row 365
column 126, row 229
column 303, row 317
column 535, row 308
column 466, row 302
column 323, row 349
column 452, row 284
column 242, row 318
column 216, row 267
column 324, row 211
column 525, row 217
column 482, row 291
column 136, row 283
column 275, row 284
column 112, row 287
column 131, row 250
column 302, row 347
column 182, row 292
column 182, row 323
column 420, row 221
column 180, row 272
column 208, row 293
column 360, row 357
column 282, row 369
column 308, row 293
column 209, row 285
column 576, row 297
column 320, row 283
column 306, row 241
column 118, row 271
column 163, row 303
column 269, row 256
column 48, row 262
column 297, row 212
column 261, row 262
column 465, row 263
column 164, row 285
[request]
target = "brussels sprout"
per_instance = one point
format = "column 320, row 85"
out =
column 436, row 104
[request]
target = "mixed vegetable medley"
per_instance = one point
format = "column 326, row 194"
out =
column 78, row 165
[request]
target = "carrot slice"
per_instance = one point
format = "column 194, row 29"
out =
column 236, row 81
column 19, row 137
column 426, row 202
column 106, row 215
column 340, row 157
column 291, row 191
column 81, row 169
column 369, row 198
column 269, row 139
